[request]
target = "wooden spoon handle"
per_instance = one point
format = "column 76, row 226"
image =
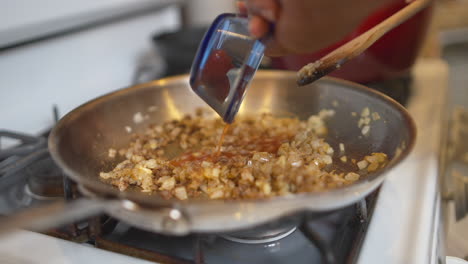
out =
column 335, row 59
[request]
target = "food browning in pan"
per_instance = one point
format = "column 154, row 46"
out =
column 260, row 157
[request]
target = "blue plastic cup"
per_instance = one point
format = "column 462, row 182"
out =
column 225, row 63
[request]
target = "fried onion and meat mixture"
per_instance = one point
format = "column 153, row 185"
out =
column 259, row 157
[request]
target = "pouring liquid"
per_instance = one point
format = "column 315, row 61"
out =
column 221, row 140
column 216, row 80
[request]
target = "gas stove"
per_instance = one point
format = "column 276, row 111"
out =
column 30, row 178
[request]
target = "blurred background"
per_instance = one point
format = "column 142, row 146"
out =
column 50, row 48
column 64, row 52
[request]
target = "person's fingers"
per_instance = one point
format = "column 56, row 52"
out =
column 268, row 9
column 263, row 13
column 242, row 7
column 258, row 27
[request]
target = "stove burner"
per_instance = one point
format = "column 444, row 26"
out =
column 45, row 179
column 294, row 248
column 28, row 174
column 30, row 193
column 260, row 239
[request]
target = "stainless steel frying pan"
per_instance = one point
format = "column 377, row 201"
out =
column 80, row 142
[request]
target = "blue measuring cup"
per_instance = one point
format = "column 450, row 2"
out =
column 225, row 63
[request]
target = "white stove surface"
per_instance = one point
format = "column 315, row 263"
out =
column 24, row 247
column 404, row 228
column 70, row 71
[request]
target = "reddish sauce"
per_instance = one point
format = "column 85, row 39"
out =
column 245, row 149
column 264, row 144
column 214, row 74
column 211, row 157
column 270, row 144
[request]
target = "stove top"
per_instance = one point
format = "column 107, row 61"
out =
column 331, row 238
column 30, row 178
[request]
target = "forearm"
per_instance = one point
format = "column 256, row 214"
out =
column 308, row 25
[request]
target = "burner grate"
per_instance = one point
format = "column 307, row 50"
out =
column 15, row 159
column 348, row 226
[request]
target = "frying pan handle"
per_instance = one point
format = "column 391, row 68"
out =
column 54, row 214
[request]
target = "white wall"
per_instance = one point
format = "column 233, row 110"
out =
column 201, row 12
column 72, row 69
column 18, row 13
column 22, row 20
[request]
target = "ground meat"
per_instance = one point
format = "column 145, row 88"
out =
column 261, row 156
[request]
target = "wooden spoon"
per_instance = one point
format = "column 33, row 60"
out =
column 335, row 59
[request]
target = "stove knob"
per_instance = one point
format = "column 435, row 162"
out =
column 175, row 222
